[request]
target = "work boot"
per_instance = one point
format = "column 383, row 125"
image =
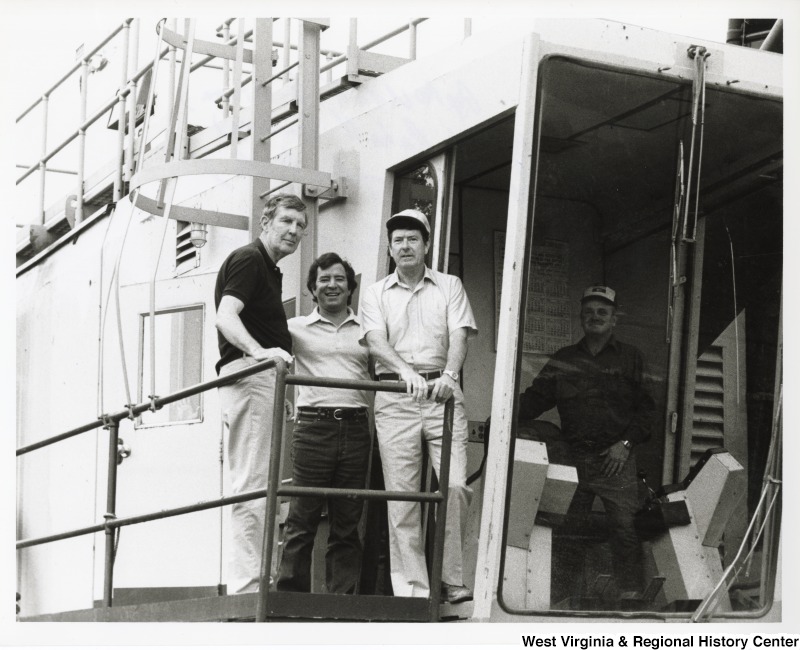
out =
column 455, row 594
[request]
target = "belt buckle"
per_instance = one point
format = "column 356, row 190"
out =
column 337, row 414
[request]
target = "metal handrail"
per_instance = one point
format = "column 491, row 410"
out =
column 271, row 493
column 330, row 64
column 439, row 497
column 138, row 409
column 371, row 44
column 125, row 90
column 76, row 66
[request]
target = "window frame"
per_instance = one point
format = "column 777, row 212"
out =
column 143, row 381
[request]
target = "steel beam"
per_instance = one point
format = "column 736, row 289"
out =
column 308, row 100
column 262, row 117
column 227, row 51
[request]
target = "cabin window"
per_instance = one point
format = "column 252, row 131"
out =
column 610, row 145
column 178, row 363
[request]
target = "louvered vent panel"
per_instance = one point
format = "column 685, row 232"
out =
column 708, row 419
column 186, row 255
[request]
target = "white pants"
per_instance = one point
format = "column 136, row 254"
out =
column 402, row 427
column 247, row 409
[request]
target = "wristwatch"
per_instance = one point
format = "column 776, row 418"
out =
column 451, row 373
column 628, row 444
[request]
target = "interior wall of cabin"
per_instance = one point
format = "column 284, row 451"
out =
column 481, row 213
column 639, row 273
column 633, row 271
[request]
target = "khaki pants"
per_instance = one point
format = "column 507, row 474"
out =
column 247, row 410
column 403, row 425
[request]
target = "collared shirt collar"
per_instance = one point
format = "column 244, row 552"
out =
column 611, row 343
column 315, row 317
column 393, row 279
column 270, row 263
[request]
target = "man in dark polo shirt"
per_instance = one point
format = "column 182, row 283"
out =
column 599, row 387
column 251, row 326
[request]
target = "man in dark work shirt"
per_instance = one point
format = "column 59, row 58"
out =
column 600, row 390
column 251, row 326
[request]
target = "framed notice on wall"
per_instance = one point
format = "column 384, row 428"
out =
column 548, row 318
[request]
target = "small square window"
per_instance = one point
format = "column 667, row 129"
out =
column 178, row 364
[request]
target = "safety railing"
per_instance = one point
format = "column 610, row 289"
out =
column 124, row 99
column 112, row 523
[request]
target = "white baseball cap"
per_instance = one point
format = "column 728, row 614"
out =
column 410, row 216
column 601, row 292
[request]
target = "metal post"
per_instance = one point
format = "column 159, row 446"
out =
column 82, row 141
column 120, row 162
column 272, row 489
column 173, row 25
column 133, row 58
column 308, row 99
column 43, row 165
column 130, row 156
column 133, row 66
column 351, row 68
column 262, row 117
column 412, row 41
column 226, row 74
column 690, row 310
column 441, row 511
column 287, row 48
column 467, row 27
column 237, row 88
column 111, row 506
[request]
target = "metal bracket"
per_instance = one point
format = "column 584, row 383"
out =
column 123, row 451
column 697, row 50
column 336, row 191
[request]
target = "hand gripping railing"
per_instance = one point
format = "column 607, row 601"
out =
column 112, row 522
column 274, row 491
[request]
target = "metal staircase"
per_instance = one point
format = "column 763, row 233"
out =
column 305, row 82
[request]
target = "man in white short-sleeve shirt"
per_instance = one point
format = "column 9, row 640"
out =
column 416, row 322
column 331, row 438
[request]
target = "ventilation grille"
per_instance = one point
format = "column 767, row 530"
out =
column 708, row 420
column 187, row 257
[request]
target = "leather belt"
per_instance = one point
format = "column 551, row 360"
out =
column 393, row 376
column 332, row 413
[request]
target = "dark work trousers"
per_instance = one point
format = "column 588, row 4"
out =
column 325, row 453
column 620, row 497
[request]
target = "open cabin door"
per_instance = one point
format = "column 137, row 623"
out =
column 701, row 303
column 427, row 186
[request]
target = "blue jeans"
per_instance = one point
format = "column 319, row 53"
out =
column 325, row 453
column 620, row 497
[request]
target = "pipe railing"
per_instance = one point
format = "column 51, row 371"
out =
column 112, row 523
column 76, row 66
column 340, row 58
column 381, row 39
column 128, row 87
column 81, row 65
